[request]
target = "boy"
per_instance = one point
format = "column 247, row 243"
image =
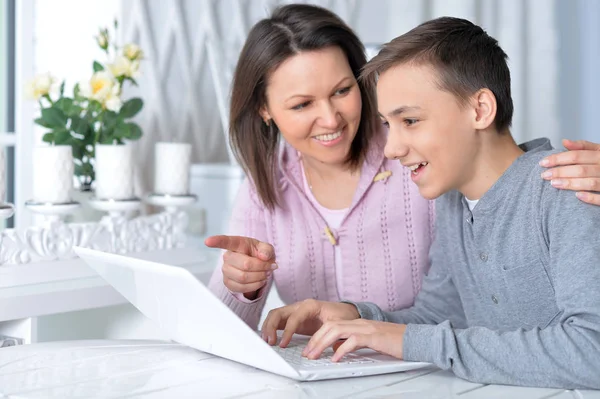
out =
column 513, row 293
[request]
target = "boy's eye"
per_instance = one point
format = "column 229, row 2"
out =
column 410, row 121
column 300, row 106
column 343, row 91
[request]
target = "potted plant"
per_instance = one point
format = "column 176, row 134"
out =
column 94, row 115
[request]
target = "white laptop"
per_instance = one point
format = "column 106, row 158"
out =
column 190, row 314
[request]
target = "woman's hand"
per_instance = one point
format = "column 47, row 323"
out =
column 380, row 336
column 247, row 263
column 305, row 318
column 577, row 169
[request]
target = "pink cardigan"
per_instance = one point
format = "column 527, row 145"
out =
column 384, row 239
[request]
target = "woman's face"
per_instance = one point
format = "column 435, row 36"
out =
column 315, row 101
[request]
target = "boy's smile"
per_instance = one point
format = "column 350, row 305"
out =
column 430, row 132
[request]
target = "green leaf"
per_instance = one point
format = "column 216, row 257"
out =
column 135, row 131
column 54, row 117
column 62, row 88
column 43, row 123
column 64, row 104
column 98, row 66
column 107, row 140
column 80, row 125
column 131, row 108
column 109, row 119
column 62, row 136
column 48, row 138
column 122, row 131
column 78, row 150
column 133, row 81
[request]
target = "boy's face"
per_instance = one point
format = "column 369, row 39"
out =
column 430, row 132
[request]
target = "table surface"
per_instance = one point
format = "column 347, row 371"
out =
column 158, row 369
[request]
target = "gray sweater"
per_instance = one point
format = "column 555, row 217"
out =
column 513, row 293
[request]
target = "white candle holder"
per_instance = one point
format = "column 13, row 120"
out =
column 52, row 212
column 116, row 223
column 116, row 208
column 171, row 202
column 176, row 220
column 6, row 210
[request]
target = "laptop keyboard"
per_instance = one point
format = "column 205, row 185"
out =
column 293, row 354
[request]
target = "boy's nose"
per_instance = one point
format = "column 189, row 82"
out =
column 394, row 148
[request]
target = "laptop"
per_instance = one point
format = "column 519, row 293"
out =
column 188, row 313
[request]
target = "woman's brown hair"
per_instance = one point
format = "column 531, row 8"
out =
column 290, row 30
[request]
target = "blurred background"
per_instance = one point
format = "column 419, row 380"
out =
column 190, row 49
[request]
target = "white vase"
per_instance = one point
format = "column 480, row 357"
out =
column 114, row 172
column 172, row 168
column 52, row 174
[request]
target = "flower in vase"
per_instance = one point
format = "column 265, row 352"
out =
column 124, row 67
column 102, row 39
column 39, row 86
column 133, row 52
column 113, row 100
column 100, row 87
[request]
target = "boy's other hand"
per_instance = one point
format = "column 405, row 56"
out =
column 577, row 169
column 247, row 263
column 304, row 318
column 380, row 336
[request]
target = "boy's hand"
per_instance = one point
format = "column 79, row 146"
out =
column 577, row 169
column 305, row 318
column 380, row 336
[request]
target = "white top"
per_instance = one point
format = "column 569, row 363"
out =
column 472, row 203
column 333, row 218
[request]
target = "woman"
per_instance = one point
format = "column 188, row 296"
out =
column 326, row 210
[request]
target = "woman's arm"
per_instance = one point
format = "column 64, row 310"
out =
column 247, row 220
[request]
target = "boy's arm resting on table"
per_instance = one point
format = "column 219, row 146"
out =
column 563, row 355
column 247, row 219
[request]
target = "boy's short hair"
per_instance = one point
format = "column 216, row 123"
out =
column 464, row 56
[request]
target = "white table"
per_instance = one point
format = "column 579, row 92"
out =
column 157, row 369
column 67, row 300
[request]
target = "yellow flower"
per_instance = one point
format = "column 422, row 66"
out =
column 39, row 86
column 133, row 52
column 99, row 87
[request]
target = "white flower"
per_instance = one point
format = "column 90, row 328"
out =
column 102, row 41
column 39, row 86
column 113, row 101
column 123, row 66
column 100, row 86
column 133, row 51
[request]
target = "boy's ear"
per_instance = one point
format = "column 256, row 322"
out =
column 264, row 114
column 485, row 106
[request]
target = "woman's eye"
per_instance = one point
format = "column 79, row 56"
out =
column 386, row 124
column 410, row 121
column 300, row 106
column 343, row 91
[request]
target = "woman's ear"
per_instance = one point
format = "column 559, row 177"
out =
column 265, row 115
column 485, row 106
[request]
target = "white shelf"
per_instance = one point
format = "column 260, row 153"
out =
column 39, row 289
